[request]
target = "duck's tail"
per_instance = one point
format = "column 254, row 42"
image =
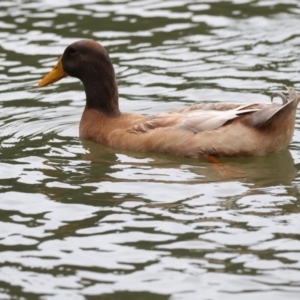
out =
column 281, row 116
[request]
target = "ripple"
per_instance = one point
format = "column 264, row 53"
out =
column 81, row 220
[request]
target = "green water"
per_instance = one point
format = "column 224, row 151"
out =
column 84, row 221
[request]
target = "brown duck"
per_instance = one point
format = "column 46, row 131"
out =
column 199, row 130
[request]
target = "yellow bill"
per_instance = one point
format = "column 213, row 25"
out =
column 54, row 75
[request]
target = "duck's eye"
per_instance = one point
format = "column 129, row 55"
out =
column 72, row 51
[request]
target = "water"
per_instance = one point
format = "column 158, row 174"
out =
column 84, row 221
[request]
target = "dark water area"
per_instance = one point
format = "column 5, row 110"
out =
column 84, row 221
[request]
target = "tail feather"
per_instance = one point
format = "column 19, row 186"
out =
column 269, row 114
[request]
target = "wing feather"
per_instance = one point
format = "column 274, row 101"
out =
column 210, row 119
column 193, row 119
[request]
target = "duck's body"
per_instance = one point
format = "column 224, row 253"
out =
column 177, row 133
column 208, row 129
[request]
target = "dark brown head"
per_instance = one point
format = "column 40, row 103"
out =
column 90, row 62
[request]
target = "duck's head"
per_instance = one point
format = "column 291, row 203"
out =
column 88, row 61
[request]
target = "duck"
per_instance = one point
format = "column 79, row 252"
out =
column 208, row 129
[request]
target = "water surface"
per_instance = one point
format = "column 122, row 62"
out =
column 84, row 221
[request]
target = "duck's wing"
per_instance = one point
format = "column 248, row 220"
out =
column 197, row 121
column 197, row 118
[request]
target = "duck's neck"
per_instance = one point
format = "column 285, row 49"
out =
column 101, row 91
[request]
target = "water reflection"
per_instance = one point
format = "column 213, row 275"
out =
column 276, row 169
column 84, row 221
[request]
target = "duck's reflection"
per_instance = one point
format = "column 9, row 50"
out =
column 276, row 169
